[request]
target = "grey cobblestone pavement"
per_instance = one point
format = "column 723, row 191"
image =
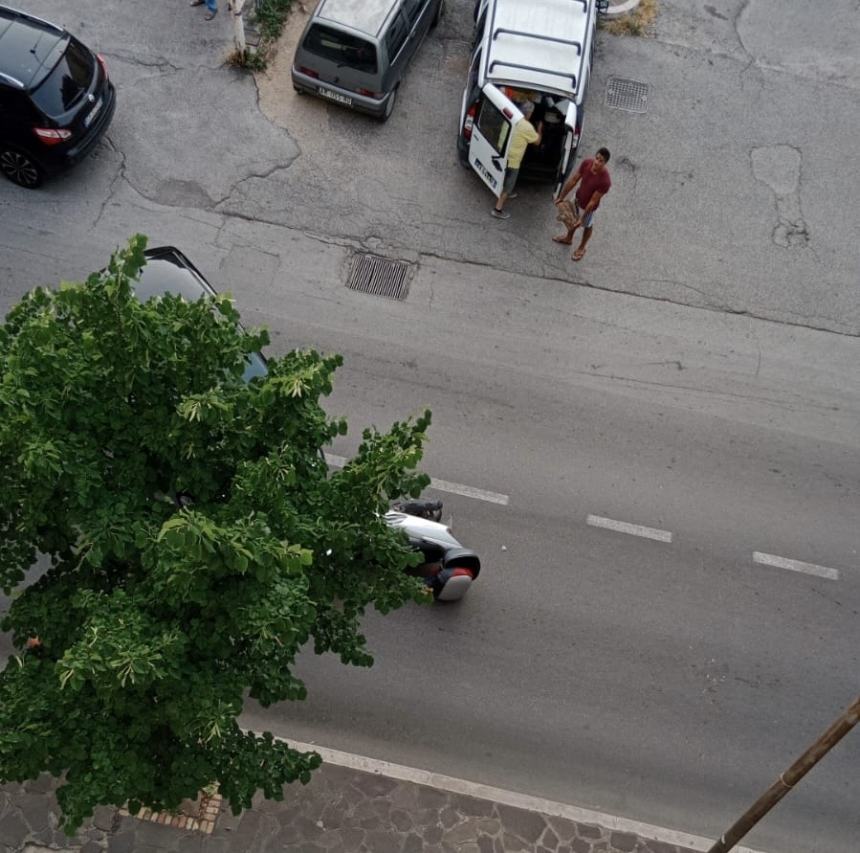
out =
column 340, row 811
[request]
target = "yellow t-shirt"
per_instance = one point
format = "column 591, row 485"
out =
column 523, row 134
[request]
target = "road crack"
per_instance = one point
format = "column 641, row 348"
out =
column 120, row 175
column 778, row 167
column 278, row 167
column 163, row 65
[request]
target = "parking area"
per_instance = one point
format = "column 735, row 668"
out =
column 728, row 188
column 724, row 185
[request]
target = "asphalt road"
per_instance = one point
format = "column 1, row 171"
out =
column 666, row 681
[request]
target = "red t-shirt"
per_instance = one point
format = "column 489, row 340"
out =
column 591, row 182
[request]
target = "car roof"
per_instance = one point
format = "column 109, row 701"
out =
column 29, row 47
column 366, row 16
column 167, row 270
column 534, row 43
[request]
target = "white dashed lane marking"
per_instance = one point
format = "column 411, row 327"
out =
column 613, row 524
column 795, row 565
column 469, row 491
column 441, row 485
column 627, row 527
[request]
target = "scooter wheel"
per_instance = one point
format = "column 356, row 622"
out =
column 455, row 587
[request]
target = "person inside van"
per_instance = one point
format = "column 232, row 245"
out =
column 524, row 134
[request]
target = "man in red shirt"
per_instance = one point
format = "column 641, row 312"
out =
column 594, row 182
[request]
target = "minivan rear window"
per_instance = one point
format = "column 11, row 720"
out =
column 342, row 48
column 68, row 82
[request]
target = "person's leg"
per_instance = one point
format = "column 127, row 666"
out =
column 566, row 239
column 580, row 250
column 212, row 6
column 587, row 222
column 508, row 185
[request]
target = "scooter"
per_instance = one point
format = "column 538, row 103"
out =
column 448, row 569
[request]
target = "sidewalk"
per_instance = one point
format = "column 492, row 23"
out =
column 342, row 810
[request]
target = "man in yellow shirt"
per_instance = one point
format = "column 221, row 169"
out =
column 524, row 135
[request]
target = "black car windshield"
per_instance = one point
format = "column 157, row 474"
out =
column 168, row 271
column 342, row 48
column 68, row 82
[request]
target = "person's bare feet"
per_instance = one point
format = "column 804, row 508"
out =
column 578, row 255
column 563, row 239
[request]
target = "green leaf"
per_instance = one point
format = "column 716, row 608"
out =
column 196, row 542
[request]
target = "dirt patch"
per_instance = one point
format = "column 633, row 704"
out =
column 278, row 99
column 639, row 22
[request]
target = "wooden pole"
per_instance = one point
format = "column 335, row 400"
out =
column 789, row 779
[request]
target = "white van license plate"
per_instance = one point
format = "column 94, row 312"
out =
column 335, row 96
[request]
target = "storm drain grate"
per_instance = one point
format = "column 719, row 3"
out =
column 624, row 94
column 379, row 276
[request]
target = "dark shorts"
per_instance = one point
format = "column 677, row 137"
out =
column 510, row 181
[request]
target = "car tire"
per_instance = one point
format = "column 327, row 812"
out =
column 438, row 16
column 389, row 105
column 21, row 169
column 298, row 90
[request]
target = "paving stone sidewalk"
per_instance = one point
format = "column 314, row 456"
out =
column 340, row 811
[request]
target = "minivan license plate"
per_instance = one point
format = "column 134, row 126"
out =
column 335, row 96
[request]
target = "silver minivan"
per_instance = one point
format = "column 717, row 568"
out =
column 355, row 52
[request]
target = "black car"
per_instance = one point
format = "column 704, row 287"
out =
column 167, row 270
column 56, row 100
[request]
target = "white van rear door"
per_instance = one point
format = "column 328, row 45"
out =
column 491, row 137
column 569, row 145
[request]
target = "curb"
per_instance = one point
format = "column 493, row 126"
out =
column 517, row 800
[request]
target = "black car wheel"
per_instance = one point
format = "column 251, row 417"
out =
column 21, row 169
column 389, row 106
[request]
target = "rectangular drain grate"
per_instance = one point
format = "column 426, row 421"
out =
column 624, row 94
column 379, row 276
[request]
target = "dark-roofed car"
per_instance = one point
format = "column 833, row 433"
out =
column 448, row 568
column 56, row 100
column 167, row 270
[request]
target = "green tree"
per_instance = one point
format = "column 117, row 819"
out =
column 196, row 537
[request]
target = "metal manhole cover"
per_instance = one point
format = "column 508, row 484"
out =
column 379, row 276
column 624, row 94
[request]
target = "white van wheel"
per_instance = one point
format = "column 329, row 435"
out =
column 389, row 105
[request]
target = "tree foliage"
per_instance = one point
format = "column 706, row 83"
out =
column 196, row 538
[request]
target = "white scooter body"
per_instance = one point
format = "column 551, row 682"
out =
column 423, row 528
column 458, row 566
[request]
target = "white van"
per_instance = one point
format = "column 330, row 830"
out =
column 537, row 50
